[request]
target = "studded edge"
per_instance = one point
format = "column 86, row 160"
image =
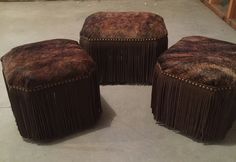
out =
column 203, row 86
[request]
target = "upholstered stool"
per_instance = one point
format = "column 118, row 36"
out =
column 52, row 87
column 194, row 88
column 125, row 45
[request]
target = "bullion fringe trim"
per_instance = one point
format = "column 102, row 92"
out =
column 57, row 111
column 201, row 112
column 125, row 61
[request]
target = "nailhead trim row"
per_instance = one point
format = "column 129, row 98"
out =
column 41, row 87
column 83, row 77
column 209, row 88
column 124, row 39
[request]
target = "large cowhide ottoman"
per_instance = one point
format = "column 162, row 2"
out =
column 52, row 87
column 125, row 45
column 194, row 88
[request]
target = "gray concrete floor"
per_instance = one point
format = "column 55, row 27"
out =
column 126, row 131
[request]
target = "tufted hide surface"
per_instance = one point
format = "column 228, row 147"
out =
column 32, row 65
column 123, row 25
column 203, row 60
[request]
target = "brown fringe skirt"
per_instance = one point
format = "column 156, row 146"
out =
column 196, row 112
column 57, row 111
column 125, row 62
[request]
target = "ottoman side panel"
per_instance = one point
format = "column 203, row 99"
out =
column 222, row 114
column 57, row 111
column 125, row 61
column 190, row 108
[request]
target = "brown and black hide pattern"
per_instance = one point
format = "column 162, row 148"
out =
column 123, row 25
column 203, row 60
column 50, row 61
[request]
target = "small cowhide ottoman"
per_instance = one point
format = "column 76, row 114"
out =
column 194, row 88
column 125, row 45
column 52, row 87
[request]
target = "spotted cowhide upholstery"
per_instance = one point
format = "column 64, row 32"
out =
column 31, row 65
column 204, row 60
column 123, row 25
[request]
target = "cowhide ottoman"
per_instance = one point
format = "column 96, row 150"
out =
column 194, row 88
column 125, row 45
column 52, row 87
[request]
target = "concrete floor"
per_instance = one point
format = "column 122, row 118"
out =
column 126, row 131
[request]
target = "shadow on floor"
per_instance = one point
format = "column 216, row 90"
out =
column 230, row 138
column 105, row 120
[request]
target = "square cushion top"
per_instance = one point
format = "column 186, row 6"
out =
column 202, row 60
column 123, row 25
column 33, row 65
